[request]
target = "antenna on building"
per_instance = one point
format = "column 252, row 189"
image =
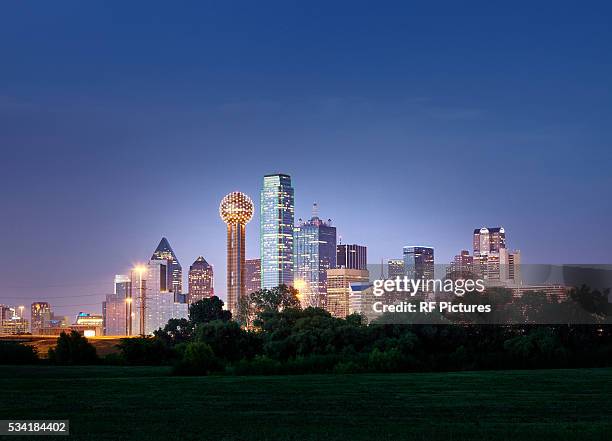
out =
column 340, row 240
column 315, row 210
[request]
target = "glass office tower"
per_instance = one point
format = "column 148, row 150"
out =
column 314, row 254
column 276, row 231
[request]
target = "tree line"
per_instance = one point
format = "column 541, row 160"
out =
column 273, row 335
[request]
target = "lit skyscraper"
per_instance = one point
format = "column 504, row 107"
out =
column 352, row 257
column 276, row 231
column 236, row 210
column 314, row 254
column 40, row 316
column 175, row 271
column 492, row 259
column 115, row 307
column 339, row 282
column 252, row 275
column 201, row 284
column 419, row 262
column 395, row 268
column 152, row 296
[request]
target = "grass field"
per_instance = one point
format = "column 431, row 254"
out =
column 113, row 403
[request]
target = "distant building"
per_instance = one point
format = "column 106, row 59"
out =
column 462, row 266
column 351, row 257
column 314, row 254
column 40, row 317
column 492, row 260
column 553, row 292
column 151, row 293
column 252, row 275
column 175, row 271
column 201, row 280
column 12, row 323
column 339, row 282
column 115, row 307
column 362, row 299
column 419, row 262
column 90, row 325
column 276, row 231
column 395, row 268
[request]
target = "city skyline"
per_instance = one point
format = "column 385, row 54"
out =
column 116, row 134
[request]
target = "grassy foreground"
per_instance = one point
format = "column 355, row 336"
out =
column 113, row 403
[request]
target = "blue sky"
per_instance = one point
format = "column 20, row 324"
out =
column 121, row 122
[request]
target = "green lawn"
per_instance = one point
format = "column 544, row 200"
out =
column 112, row 403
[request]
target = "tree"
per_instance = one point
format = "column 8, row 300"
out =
column 176, row 331
column 146, row 351
column 198, row 359
column 208, row 310
column 16, row 353
column 275, row 299
column 593, row 301
column 228, row 341
column 73, row 348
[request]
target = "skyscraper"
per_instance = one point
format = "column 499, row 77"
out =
column 236, row 210
column 314, row 254
column 492, row 259
column 201, row 282
column 252, row 275
column 461, row 267
column 152, row 296
column 115, row 307
column 40, row 316
column 175, row 271
column 339, row 282
column 276, row 231
column 395, row 268
column 419, row 262
column 352, row 257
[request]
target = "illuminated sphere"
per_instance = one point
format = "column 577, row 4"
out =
column 235, row 208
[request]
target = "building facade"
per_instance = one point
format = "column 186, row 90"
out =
column 40, row 317
column 276, row 231
column 175, row 271
column 314, row 254
column 395, row 268
column 352, row 256
column 252, row 275
column 153, row 303
column 201, row 280
column 236, row 210
column 115, row 307
column 419, row 262
column 492, row 260
column 339, row 282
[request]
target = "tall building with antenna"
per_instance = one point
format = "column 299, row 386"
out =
column 314, row 253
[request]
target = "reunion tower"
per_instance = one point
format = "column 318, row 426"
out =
column 236, row 210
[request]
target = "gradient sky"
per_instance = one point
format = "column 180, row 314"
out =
column 122, row 122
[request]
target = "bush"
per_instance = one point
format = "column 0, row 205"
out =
column 148, row 351
column 16, row 353
column 73, row 348
column 198, row 359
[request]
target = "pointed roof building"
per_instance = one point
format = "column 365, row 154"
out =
column 174, row 272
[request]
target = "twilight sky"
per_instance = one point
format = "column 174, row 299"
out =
column 122, row 122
